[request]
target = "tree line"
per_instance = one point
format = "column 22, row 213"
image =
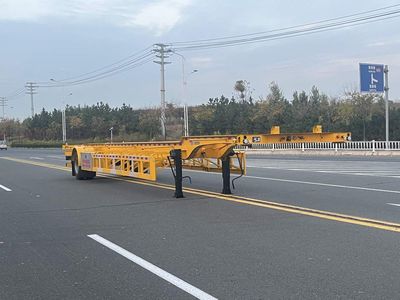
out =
column 361, row 114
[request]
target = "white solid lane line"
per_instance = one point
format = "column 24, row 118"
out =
column 183, row 285
column 309, row 183
column 372, row 173
column 394, row 204
column 5, row 188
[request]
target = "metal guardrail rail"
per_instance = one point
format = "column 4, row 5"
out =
column 351, row 146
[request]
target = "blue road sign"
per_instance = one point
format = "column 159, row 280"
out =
column 371, row 78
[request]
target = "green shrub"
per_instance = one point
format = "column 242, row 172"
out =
column 36, row 144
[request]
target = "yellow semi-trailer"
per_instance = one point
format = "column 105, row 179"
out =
column 141, row 160
column 276, row 137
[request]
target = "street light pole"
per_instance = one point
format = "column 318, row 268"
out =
column 64, row 120
column 63, row 116
column 184, row 100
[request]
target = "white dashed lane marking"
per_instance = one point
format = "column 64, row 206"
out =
column 36, row 158
column 5, row 188
column 179, row 283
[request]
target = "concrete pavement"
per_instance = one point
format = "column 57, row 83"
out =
column 226, row 249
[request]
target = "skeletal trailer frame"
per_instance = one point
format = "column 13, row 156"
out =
column 141, row 160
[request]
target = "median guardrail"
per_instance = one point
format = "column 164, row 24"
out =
column 372, row 146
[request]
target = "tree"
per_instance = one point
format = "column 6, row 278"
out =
column 149, row 123
column 362, row 109
column 242, row 87
column 277, row 107
column 300, row 112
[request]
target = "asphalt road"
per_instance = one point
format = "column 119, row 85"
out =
column 215, row 247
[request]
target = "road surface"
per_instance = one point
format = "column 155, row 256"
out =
column 111, row 238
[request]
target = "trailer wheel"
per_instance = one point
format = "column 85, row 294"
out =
column 90, row 174
column 76, row 169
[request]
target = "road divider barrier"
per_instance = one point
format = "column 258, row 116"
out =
column 356, row 146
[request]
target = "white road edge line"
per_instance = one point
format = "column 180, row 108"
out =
column 37, row 158
column 394, row 204
column 183, row 285
column 5, row 188
column 311, row 183
column 56, row 157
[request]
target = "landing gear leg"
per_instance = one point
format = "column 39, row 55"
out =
column 226, row 176
column 176, row 155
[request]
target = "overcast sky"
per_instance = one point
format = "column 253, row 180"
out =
column 43, row 39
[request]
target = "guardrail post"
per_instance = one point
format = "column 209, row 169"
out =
column 226, row 175
column 302, row 147
column 373, row 146
column 176, row 155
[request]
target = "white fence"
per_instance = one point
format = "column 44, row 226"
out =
column 351, row 146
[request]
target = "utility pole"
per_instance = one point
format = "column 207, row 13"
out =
column 386, row 71
column 161, row 54
column 31, row 89
column 3, row 104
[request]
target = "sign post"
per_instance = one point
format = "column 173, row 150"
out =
column 387, row 105
column 374, row 79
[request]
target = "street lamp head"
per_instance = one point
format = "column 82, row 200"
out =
column 195, row 71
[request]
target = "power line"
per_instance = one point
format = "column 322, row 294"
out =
column 107, row 66
column 15, row 94
column 291, row 27
column 119, row 66
column 114, row 73
column 272, row 38
column 304, row 29
column 133, row 63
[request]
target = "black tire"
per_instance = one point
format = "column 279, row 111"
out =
column 77, row 170
column 90, row 174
